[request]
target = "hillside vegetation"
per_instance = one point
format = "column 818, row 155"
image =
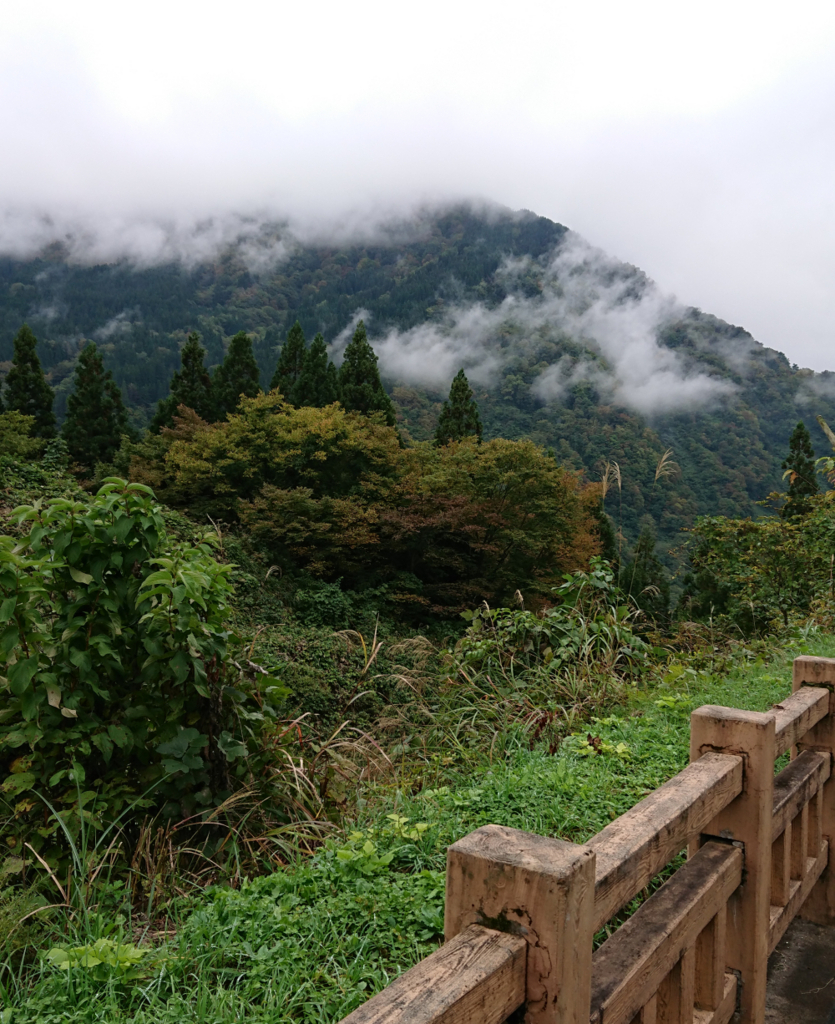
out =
column 498, row 298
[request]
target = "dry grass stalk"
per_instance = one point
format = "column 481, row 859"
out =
column 611, row 472
column 666, row 466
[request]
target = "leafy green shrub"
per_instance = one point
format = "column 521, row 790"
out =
column 757, row 572
column 114, row 666
column 589, row 628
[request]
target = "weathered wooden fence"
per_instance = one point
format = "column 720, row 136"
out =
column 522, row 909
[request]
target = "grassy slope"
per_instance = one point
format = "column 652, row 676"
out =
column 311, row 943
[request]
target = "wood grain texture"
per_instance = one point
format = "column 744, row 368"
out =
column 820, row 904
column 795, row 786
column 476, row 978
column 634, row 961
column 710, row 962
column 800, row 843
column 541, row 889
column 781, row 917
column 796, row 715
column 781, row 868
column 808, row 671
column 647, row 1014
column 636, row 846
column 748, row 820
column 725, row 1010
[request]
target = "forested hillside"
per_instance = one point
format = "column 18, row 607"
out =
column 562, row 345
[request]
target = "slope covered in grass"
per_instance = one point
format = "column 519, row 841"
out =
column 310, row 943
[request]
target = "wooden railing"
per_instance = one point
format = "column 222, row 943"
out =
column 522, row 910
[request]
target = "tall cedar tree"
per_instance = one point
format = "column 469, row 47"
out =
column 318, row 383
column 360, row 387
column 27, row 389
column 800, row 466
column 290, row 363
column 237, row 375
column 459, row 417
column 96, row 416
column 191, row 386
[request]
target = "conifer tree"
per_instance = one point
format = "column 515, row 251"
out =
column 237, row 375
column 360, row 387
column 318, row 384
column 799, row 466
column 96, row 416
column 27, row 390
column 459, row 417
column 290, row 363
column 191, row 385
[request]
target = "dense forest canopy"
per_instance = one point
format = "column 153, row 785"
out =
column 560, row 344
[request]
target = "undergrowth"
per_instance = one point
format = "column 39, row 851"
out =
column 311, row 942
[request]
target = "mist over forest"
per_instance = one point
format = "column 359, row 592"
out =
column 564, row 345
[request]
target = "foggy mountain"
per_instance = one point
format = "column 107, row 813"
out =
column 561, row 343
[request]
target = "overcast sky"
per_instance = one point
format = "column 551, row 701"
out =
column 694, row 140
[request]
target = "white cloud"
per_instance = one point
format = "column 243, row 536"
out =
column 616, row 314
column 697, row 144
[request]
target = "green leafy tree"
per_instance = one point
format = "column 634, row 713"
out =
column 799, row 467
column 360, row 387
column 318, row 383
column 190, row 386
column 16, row 438
column 756, row 571
column 96, row 416
column 459, row 417
column 237, row 375
column 27, row 391
column 290, row 365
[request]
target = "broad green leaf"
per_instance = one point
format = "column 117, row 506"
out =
column 30, row 701
column 18, row 783
column 120, row 736
column 80, row 577
column 231, row 746
column 20, row 674
column 105, row 745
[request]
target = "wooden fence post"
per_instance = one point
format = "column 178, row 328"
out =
column 542, row 889
column 820, row 905
column 747, row 820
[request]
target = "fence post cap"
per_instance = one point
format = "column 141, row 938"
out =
column 511, row 847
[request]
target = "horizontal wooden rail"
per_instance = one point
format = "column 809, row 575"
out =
column 476, row 978
column 632, row 963
column 795, row 786
column 796, row 715
column 636, row 846
column 521, row 909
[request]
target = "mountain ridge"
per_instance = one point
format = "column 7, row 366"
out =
column 567, row 346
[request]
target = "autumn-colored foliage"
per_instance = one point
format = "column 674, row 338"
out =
column 332, row 494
